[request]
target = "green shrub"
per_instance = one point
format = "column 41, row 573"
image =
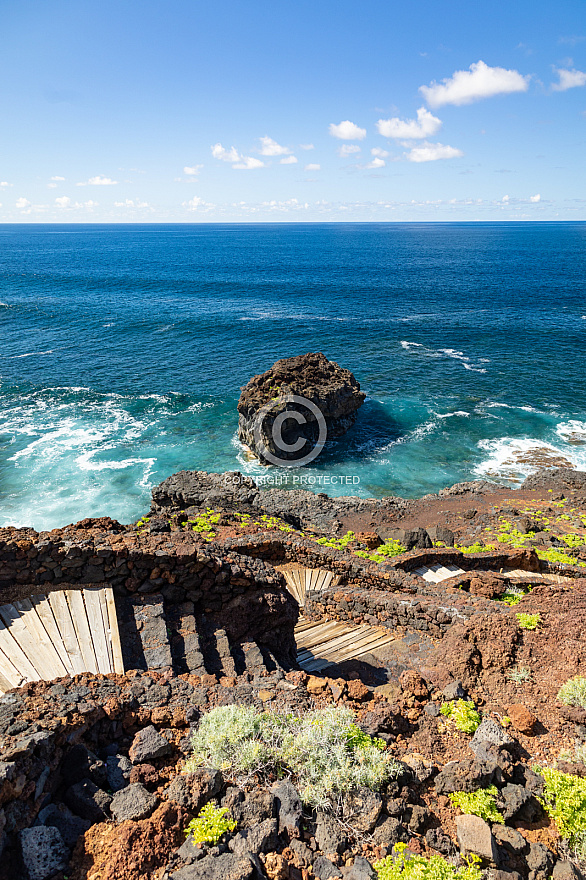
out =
column 324, row 751
column 528, row 621
column 462, row 714
column 573, row 692
column 210, row 825
column 384, row 552
column 406, row 866
column 338, row 543
column 476, row 547
column 565, row 801
column 479, row 803
column 520, row 674
column 204, row 523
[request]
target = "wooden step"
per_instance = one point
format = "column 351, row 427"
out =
column 64, row 633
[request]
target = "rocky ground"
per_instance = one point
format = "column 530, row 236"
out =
column 92, row 781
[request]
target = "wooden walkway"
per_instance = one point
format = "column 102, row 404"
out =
column 301, row 581
column 435, row 574
column 328, row 642
column 63, row 633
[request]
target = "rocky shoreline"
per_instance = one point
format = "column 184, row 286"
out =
column 93, row 783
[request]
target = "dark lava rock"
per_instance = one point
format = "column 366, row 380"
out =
column 88, row 801
column 118, row 769
column 360, row 870
column 289, row 807
column 329, row 834
column 468, row 775
column 147, row 745
column 520, row 804
column 250, row 808
column 362, row 807
column 261, row 838
column 60, row 817
column 331, row 389
column 223, row 867
column 412, row 539
column 512, row 840
column 133, row 802
column 193, row 790
column 44, row 852
column 540, row 861
column 323, row 869
column 436, row 838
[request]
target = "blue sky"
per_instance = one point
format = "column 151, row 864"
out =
column 183, row 111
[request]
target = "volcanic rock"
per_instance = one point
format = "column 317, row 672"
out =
column 331, row 389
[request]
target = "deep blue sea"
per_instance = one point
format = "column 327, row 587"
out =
column 124, row 348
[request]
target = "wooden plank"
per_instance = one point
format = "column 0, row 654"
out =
column 299, row 581
column 11, row 677
column 82, row 629
column 11, row 647
column 93, row 608
column 106, row 625
column 314, row 577
column 114, row 632
column 318, row 636
column 43, row 609
column 45, row 652
column 63, row 619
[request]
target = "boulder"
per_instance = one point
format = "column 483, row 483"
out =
column 147, row 745
column 193, row 790
column 44, row 852
column 288, row 804
column 521, row 718
column 223, row 867
column 133, row 802
column 69, row 826
column 329, row 834
column 362, row 807
column 323, row 869
column 475, row 836
column 88, row 801
column 263, row 425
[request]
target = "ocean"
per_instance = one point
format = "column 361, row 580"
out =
column 124, row 348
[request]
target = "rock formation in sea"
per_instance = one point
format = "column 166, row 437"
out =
column 334, row 398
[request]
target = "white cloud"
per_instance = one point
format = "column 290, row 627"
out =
column 306, row 146
column 131, row 203
column 431, row 152
column 289, row 160
column 313, row 167
column 197, row 203
column 378, row 151
column 56, row 177
column 505, row 199
column 4, row 183
column 192, row 170
column 52, row 185
column 347, row 131
column 241, row 163
column 424, row 126
column 481, row 81
column 272, row 148
column 98, row 180
column 569, row 79
column 377, row 162
column 248, row 163
column 65, row 202
column 22, row 203
column 220, row 152
column 348, row 150
column 535, row 198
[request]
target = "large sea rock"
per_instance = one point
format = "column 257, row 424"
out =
column 333, row 392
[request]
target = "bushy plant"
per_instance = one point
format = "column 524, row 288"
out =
column 407, row 866
column 565, row 801
column 476, row 547
column 338, row 543
column 210, row 825
column 560, row 557
column 479, row 803
column 462, row 714
column 204, row 523
column 324, row 750
column 528, row 621
column 384, row 552
column 573, row 692
column 519, row 674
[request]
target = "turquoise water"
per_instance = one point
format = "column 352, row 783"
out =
column 124, row 348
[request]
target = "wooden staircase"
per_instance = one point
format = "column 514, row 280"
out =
column 301, row 581
column 62, row 633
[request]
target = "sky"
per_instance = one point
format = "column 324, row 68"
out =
column 185, row 111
